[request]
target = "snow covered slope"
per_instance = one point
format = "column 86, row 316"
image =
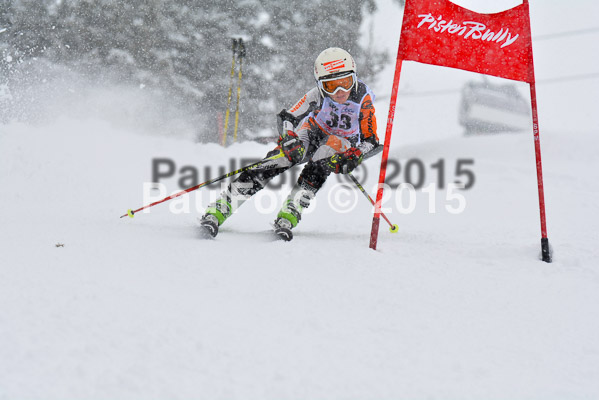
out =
column 452, row 306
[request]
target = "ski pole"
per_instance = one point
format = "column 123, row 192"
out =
column 241, row 55
column 231, row 81
column 258, row 164
column 393, row 228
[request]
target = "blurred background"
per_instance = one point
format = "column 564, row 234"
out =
column 178, row 52
column 164, row 66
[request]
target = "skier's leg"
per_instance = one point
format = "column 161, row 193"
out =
column 240, row 190
column 311, row 179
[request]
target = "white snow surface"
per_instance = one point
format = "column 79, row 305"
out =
column 452, row 306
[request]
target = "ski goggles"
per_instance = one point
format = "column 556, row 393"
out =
column 333, row 85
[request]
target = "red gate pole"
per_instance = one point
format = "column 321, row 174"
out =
column 374, row 233
column 545, row 249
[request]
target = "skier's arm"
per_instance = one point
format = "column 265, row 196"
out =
column 368, row 136
column 289, row 119
column 292, row 145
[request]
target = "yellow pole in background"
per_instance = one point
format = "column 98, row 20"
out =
column 224, row 143
column 241, row 53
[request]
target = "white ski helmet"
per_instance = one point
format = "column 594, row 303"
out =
column 334, row 64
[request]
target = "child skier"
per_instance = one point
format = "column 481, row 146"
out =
column 330, row 129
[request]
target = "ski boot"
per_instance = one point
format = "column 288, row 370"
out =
column 208, row 226
column 287, row 219
column 282, row 228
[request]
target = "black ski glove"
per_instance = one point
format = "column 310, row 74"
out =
column 292, row 146
column 346, row 162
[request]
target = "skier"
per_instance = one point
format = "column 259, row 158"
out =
column 330, row 128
